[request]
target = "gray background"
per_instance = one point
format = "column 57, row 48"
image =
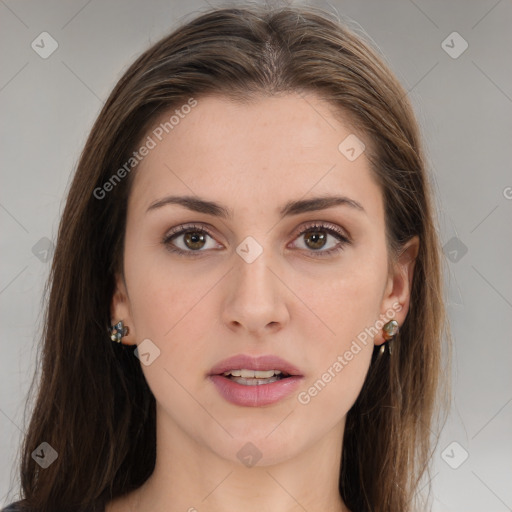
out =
column 464, row 106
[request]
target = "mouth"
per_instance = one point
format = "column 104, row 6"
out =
column 255, row 377
column 249, row 381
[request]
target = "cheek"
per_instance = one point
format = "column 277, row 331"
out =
column 339, row 357
column 341, row 302
column 172, row 310
column 171, row 307
column 163, row 295
column 338, row 337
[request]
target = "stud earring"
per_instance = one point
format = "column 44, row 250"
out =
column 389, row 331
column 117, row 331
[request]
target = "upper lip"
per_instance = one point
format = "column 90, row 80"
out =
column 247, row 362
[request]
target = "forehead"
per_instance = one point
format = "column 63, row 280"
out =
column 265, row 150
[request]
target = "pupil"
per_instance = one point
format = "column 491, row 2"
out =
column 195, row 238
column 317, row 238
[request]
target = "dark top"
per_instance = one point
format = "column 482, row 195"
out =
column 17, row 506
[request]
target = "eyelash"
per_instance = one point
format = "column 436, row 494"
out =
column 192, row 228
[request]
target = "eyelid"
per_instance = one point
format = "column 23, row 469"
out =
column 183, row 228
column 327, row 226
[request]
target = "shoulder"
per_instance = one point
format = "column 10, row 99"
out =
column 14, row 507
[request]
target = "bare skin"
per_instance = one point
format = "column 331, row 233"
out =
column 290, row 301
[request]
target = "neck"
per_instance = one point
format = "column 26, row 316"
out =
column 189, row 476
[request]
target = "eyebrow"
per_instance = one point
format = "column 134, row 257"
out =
column 200, row 205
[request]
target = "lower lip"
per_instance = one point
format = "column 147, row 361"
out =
column 255, row 396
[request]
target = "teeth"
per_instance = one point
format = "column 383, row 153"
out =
column 253, row 374
column 254, row 382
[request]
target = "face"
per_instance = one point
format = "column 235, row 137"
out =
column 308, row 285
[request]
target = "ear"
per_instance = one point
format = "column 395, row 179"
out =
column 398, row 288
column 120, row 310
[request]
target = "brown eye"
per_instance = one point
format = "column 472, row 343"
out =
column 189, row 240
column 317, row 239
column 194, row 240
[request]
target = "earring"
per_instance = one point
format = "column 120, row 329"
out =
column 117, row 331
column 389, row 331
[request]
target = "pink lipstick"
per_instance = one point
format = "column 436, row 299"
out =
column 250, row 381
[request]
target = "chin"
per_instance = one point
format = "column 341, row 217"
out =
column 262, row 444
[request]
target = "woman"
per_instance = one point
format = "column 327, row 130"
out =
column 246, row 305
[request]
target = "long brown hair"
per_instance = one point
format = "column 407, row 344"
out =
column 93, row 404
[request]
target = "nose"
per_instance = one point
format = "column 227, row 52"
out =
column 255, row 301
